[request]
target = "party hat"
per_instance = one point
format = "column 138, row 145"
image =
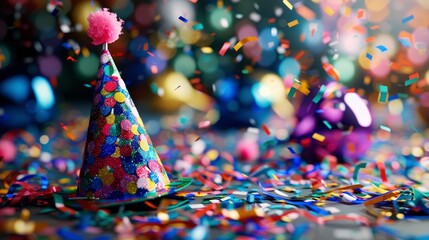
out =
column 119, row 161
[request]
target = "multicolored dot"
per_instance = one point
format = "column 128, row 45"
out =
column 119, row 97
column 110, row 86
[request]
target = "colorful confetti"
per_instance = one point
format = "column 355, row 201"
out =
column 383, row 94
column 292, row 23
column 288, row 4
column 243, row 41
column 224, row 48
column 183, row 19
column 413, row 78
column 407, row 19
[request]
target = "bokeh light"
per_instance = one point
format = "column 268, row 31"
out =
column 43, row 92
column 87, row 66
column 8, row 88
column 184, row 64
column 289, row 67
column 220, row 18
column 345, row 68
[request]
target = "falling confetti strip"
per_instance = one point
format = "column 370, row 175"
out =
column 288, row 4
column 328, row 10
column 319, row 94
column 407, row 19
column 413, row 78
column 183, row 19
column 385, row 128
column 318, row 137
column 243, row 41
column 368, row 56
column 382, row 48
column 383, row 94
column 224, row 48
column 292, row 23
column 198, row 27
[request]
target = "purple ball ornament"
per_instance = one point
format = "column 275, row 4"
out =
column 333, row 122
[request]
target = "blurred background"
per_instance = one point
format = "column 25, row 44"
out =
column 183, row 73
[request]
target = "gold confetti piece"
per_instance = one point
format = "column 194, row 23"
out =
column 292, row 23
column 288, row 4
column 328, row 10
column 318, row 137
column 347, row 11
column 206, row 50
column 381, row 198
column 244, row 41
column 304, row 90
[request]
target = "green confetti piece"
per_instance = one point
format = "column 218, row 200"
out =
column 403, row 95
column 383, row 95
column 327, row 124
column 385, row 128
column 410, row 81
column 319, row 95
column 198, row 26
column 291, row 93
column 356, row 172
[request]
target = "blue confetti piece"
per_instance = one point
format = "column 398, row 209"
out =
column 183, row 19
column 369, row 56
column 393, row 97
column 405, row 42
column 382, row 48
column 291, row 150
column 66, row 45
column 407, row 19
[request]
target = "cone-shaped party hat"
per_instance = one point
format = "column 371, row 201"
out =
column 119, row 160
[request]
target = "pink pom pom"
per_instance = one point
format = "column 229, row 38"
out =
column 104, row 26
column 247, row 150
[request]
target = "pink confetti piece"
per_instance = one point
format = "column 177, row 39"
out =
column 203, row 124
column 224, row 48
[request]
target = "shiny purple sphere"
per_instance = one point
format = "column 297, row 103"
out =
column 343, row 118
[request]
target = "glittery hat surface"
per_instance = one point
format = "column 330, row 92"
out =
column 119, row 160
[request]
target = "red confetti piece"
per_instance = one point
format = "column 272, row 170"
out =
column 414, row 75
column 361, row 13
column 330, row 70
column 266, row 129
column 195, row 80
column 382, row 169
column 68, row 133
column 370, row 39
column 299, row 55
column 70, row 58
